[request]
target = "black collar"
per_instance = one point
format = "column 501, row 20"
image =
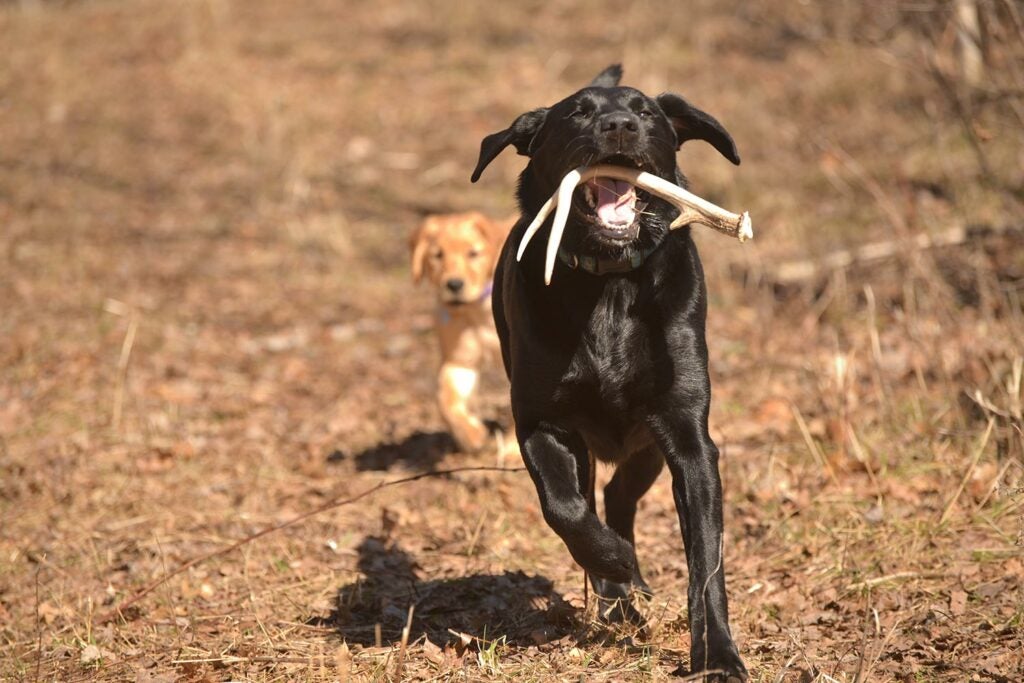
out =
column 604, row 266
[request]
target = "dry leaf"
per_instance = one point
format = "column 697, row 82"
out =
column 774, row 415
column 432, row 652
column 90, row 654
column 48, row 612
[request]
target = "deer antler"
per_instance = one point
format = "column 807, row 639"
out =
column 692, row 209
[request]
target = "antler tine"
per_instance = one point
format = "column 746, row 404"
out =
column 565, row 190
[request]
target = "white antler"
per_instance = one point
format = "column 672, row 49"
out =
column 692, row 209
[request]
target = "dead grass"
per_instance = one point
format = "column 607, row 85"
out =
column 208, row 330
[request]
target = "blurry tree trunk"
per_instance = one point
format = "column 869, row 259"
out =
column 968, row 39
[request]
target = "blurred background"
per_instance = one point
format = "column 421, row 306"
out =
column 207, row 326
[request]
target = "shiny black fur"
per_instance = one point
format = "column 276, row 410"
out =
column 616, row 364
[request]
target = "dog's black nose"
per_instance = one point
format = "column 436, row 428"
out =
column 618, row 122
column 454, row 285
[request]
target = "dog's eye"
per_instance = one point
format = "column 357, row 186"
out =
column 645, row 114
column 578, row 114
column 438, row 254
column 474, row 253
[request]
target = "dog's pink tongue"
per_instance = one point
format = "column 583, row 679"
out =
column 616, row 201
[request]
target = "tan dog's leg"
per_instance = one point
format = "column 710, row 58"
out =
column 456, row 383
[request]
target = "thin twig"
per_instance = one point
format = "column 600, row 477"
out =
column 782, row 672
column 330, row 505
column 39, row 629
column 263, row 659
column 700, row 675
column 963, row 111
column 878, row 580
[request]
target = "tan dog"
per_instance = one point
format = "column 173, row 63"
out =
column 456, row 253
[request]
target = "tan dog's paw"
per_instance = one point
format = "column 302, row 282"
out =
column 470, row 435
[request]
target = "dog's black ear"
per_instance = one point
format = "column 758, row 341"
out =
column 520, row 134
column 691, row 123
column 609, row 78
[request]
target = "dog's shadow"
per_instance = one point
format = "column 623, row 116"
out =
column 523, row 609
column 420, row 451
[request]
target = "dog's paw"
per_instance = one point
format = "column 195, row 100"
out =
column 606, row 555
column 642, row 587
column 470, row 435
column 615, row 602
column 724, row 662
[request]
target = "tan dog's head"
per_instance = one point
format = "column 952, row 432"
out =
column 457, row 254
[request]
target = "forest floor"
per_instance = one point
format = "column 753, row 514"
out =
column 207, row 328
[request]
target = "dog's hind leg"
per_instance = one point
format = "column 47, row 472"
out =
column 632, row 479
column 555, row 459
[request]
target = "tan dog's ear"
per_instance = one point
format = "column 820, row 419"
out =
column 493, row 231
column 419, row 242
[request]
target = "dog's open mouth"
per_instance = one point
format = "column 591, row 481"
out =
column 613, row 206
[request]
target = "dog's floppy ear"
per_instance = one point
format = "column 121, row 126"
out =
column 419, row 242
column 609, row 78
column 691, row 123
column 520, row 134
column 493, row 231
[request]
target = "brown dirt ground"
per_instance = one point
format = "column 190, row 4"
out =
column 207, row 328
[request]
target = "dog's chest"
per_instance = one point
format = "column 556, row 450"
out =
column 612, row 379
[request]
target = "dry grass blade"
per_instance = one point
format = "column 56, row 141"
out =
column 122, row 368
column 812, row 445
column 400, row 660
column 865, row 673
column 970, row 470
column 343, row 662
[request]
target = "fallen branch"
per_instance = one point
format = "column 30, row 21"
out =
column 330, row 505
column 791, row 272
column 898, row 576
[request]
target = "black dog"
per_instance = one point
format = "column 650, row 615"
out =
column 611, row 357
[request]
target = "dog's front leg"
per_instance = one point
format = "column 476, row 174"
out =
column 692, row 458
column 555, row 458
column 455, row 386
